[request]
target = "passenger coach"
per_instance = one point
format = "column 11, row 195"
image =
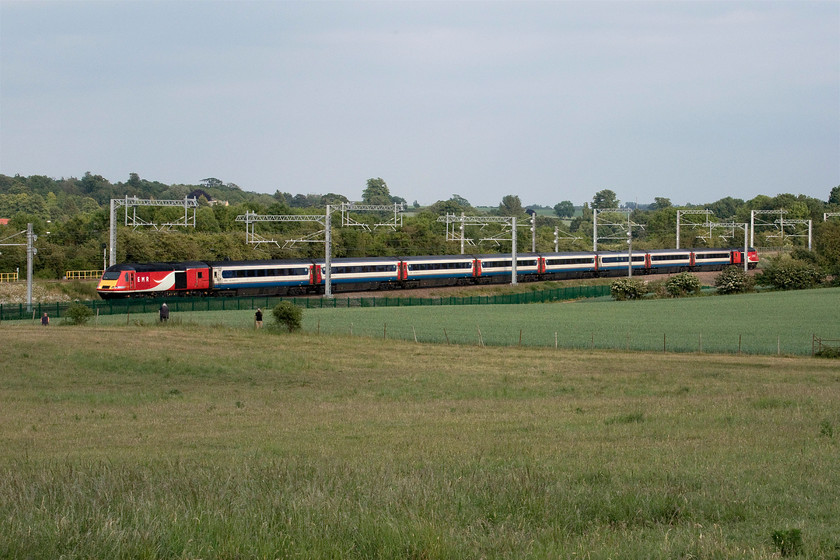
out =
column 264, row 277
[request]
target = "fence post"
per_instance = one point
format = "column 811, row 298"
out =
column 739, row 343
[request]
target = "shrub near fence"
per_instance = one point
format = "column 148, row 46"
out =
column 18, row 311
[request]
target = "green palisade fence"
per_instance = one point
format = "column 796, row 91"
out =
column 18, row 311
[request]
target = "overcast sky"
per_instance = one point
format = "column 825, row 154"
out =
column 551, row 100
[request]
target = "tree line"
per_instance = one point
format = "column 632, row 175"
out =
column 71, row 218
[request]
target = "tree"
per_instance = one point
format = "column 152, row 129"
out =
column 726, row 207
column 211, row 182
column 510, row 206
column 205, row 220
column 797, row 211
column 827, row 244
column 78, row 314
column 333, row 199
column 97, row 187
column 301, row 201
column 660, row 203
column 454, row 205
column 604, row 199
column 834, row 197
column 564, row 209
column 460, row 201
column 288, row 315
column 376, row 192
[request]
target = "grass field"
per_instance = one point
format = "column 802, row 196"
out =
column 183, row 441
column 761, row 323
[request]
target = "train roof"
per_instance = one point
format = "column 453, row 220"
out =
column 569, row 254
column 156, row 266
column 437, row 257
column 347, row 260
column 506, row 255
column 264, row 262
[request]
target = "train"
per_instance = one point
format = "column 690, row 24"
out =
column 291, row 277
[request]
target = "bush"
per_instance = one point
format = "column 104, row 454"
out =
column 789, row 542
column 657, row 288
column 827, row 352
column 288, row 315
column 683, row 284
column 804, row 255
column 78, row 314
column 627, row 288
column 733, row 280
column 791, row 275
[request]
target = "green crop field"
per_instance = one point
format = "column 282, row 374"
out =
column 210, row 441
column 760, row 323
column 778, row 322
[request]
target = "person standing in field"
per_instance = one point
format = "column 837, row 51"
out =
column 258, row 318
column 164, row 312
column 45, row 320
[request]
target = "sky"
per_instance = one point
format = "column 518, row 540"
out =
column 548, row 100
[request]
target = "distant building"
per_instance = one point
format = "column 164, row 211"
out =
column 198, row 193
column 4, row 221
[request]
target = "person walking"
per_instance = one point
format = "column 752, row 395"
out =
column 258, row 318
column 164, row 312
column 45, row 320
